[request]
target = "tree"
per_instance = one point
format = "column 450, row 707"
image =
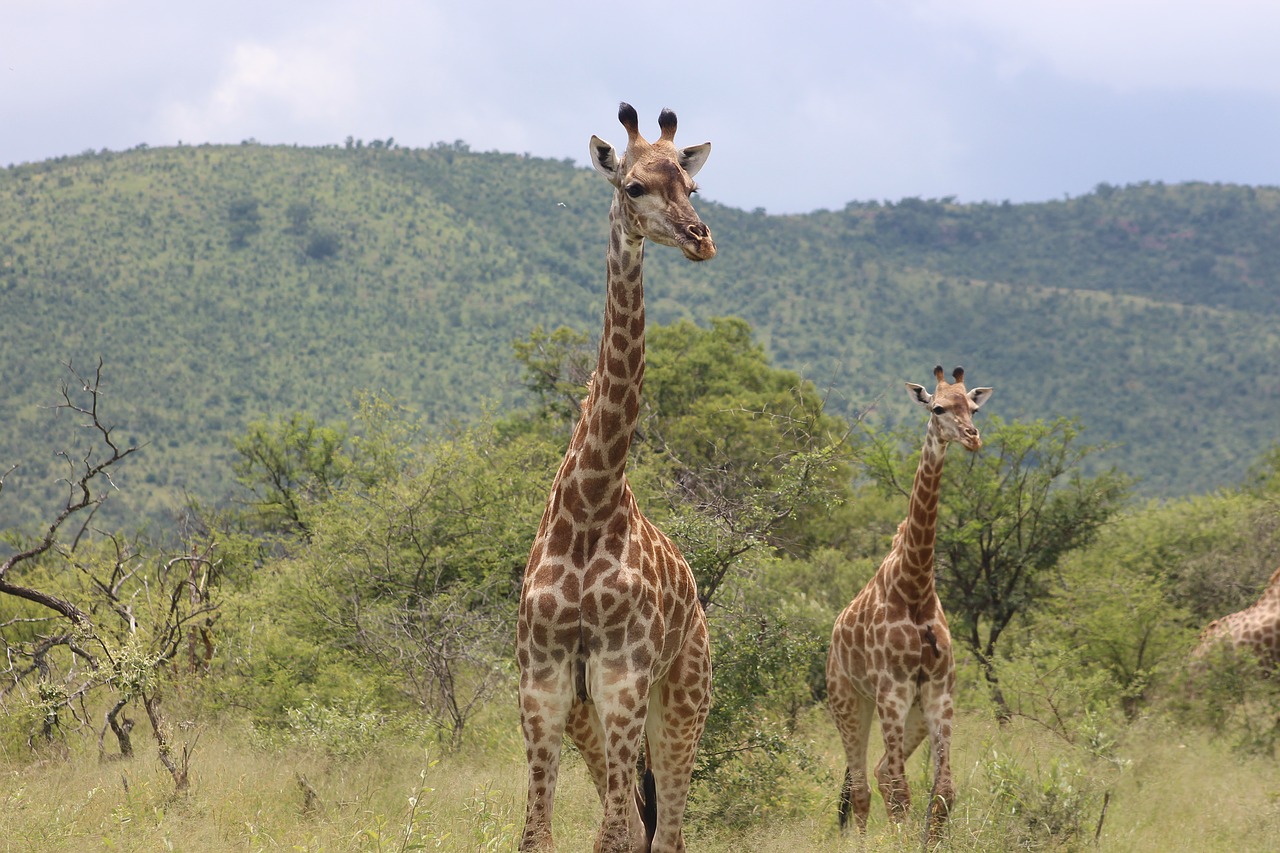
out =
column 411, row 578
column 82, row 480
column 1112, row 620
column 557, row 366
column 120, row 617
column 1264, row 476
column 1007, row 517
column 289, row 464
column 738, row 454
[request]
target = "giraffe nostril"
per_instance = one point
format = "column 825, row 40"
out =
column 697, row 230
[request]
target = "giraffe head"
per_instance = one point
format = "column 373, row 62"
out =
column 654, row 181
column 951, row 407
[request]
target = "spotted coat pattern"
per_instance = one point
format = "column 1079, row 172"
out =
column 1256, row 628
column 890, row 651
column 611, row 640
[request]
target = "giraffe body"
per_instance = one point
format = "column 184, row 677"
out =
column 890, row 652
column 611, row 639
column 1256, row 628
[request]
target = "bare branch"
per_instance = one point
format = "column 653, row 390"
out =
column 80, row 497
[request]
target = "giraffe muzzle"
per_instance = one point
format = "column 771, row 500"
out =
column 697, row 244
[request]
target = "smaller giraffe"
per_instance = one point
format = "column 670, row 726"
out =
column 890, row 648
column 1256, row 628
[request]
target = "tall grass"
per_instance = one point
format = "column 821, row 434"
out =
column 1020, row 788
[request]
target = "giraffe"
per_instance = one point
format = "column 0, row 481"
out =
column 611, row 640
column 1256, row 628
column 890, row 648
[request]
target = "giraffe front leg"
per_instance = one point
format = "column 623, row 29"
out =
column 852, row 714
column 544, row 709
column 939, row 714
column 891, row 770
column 620, row 707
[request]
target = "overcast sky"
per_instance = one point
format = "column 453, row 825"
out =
column 807, row 104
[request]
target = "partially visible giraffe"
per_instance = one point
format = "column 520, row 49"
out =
column 890, row 648
column 1256, row 628
column 611, row 639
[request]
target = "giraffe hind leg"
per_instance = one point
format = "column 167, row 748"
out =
column 914, row 731
column 852, row 715
column 620, row 736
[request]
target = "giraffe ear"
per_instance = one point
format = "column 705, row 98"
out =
column 978, row 396
column 693, row 157
column 604, row 158
column 919, row 394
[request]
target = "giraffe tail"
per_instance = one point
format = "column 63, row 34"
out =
column 846, row 799
column 647, row 795
column 649, row 812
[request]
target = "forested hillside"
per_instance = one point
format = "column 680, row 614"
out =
column 226, row 284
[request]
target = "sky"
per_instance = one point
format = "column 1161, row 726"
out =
column 808, row 105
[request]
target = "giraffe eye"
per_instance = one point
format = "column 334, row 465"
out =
column 938, row 410
column 635, row 190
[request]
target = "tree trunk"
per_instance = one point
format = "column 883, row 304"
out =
column 181, row 780
column 121, row 728
column 986, row 660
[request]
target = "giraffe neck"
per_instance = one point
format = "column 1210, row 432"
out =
column 1270, row 598
column 915, row 576
column 603, row 436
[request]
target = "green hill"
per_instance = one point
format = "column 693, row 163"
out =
column 227, row 283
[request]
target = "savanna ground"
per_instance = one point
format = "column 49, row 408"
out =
column 1020, row 788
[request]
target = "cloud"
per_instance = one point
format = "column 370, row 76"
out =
column 809, row 104
column 1135, row 45
column 296, row 86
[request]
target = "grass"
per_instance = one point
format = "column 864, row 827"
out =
column 1019, row 787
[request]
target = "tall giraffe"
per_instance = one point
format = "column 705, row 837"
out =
column 890, row 648
column 1256, row 628
column 611, row 640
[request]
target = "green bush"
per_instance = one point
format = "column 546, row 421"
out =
column 1234, row 696
column 1054, row 808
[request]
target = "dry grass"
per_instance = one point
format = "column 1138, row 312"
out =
column 1172, row 792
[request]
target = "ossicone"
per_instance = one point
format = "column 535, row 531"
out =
column 667, row 123
column 627, row 116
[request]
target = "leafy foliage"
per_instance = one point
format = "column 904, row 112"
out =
column 231, row 285
column 1236, row 697
column 288, row 465
column 1007, row 516
column 367, row 565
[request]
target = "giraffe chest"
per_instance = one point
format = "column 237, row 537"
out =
column 623, row 595
column 637, row 600
column 880, row 639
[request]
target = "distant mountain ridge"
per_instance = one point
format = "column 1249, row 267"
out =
column 226, row 283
